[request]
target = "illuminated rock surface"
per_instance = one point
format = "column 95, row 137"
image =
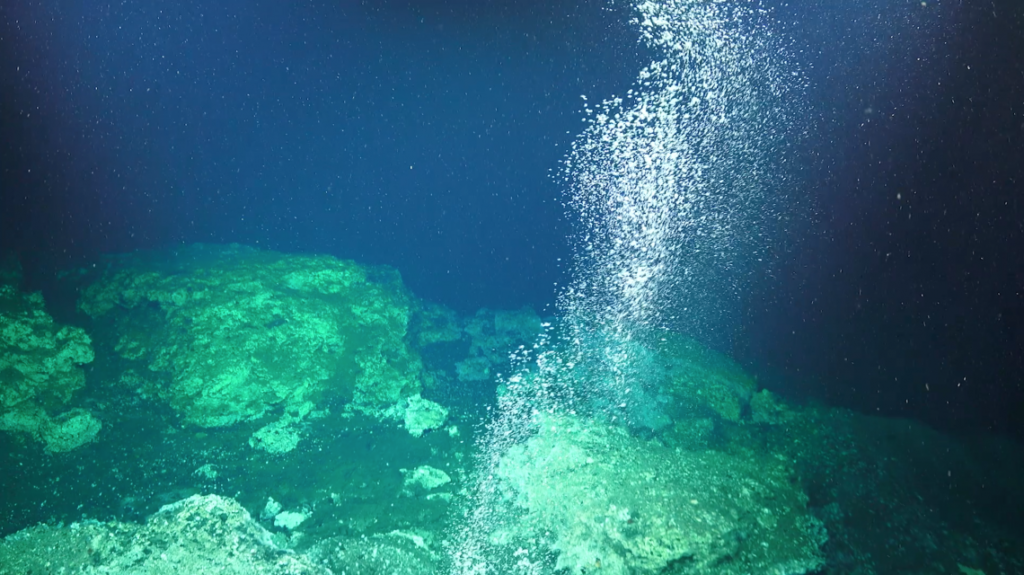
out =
column 601, row 498
column 200, row 534
column 228, row 333
column 40, row 370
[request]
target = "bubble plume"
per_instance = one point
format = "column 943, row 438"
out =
column 665, row 184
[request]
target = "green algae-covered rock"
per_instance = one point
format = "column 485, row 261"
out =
column 606, row 501
column 40, row 370
column 701, row 379
column 201, row 534
column 493, row 336
column 230, row 333
column 435, row 323
column 422, row 415
column 39, row 360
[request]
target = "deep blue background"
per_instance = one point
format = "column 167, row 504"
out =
column 903, row 294
column 422, row 134
column 416, row 134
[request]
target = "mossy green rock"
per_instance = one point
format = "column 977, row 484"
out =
column 702, row 380
column 40, row 361
column 609, row 502
column 40, row 370
column 229, row 333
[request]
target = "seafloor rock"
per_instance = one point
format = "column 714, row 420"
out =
column 434, row 324
column 766, row 407
column 40, row 370
column 229, row 333
column 421, row 415
column 201, row 534
column 608, row 502
column 280, row 436
column 494, row 335
column 424, row 477
column 651, row 385
column 701, row 380
column 69, row 430
column 394, row 553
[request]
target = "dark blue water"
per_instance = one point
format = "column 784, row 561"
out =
column 420, row 135
column 905, row 289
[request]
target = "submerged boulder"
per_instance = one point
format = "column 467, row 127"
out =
column 40, row 370
column 604, row 500
column 230, row 333
column 201, row 534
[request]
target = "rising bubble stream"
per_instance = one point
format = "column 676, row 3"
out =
column 667, row 184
